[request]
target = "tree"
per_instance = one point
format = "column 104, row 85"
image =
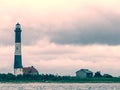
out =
column 107, row 76
column 98, row 74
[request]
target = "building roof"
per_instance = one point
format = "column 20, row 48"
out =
column 84, row 70
column 30, row 70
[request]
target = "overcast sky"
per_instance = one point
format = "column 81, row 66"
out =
column 62, row 36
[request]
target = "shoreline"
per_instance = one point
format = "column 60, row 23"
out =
column 57, row 82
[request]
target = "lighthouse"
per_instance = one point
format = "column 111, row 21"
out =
column 18, row 68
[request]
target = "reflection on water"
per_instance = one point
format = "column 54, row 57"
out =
column 60, row 86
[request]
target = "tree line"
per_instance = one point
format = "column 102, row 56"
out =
column 56, row 78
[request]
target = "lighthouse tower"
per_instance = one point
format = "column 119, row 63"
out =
column 18, row 68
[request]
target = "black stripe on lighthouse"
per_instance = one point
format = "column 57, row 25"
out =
column 18, row 62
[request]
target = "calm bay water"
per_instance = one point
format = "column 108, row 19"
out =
column 60, row 86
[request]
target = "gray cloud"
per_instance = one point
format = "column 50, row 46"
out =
column 6, row 37
column 94, row 36
column 105, row 31
column 29, row 36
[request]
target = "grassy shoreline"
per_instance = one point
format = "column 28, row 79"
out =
column 10, row 78
column 92, row 80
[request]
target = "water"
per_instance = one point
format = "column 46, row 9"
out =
column 60, row 86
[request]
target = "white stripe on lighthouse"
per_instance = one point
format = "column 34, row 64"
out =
column 17, row 48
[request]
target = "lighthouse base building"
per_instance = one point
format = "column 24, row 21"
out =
column 18, row 71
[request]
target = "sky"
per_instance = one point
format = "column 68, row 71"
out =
column 62, row 36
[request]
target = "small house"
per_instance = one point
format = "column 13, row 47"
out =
column 84, row 73
column 30, row 70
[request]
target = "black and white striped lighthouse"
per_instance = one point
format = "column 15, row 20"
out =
column 18, row 68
